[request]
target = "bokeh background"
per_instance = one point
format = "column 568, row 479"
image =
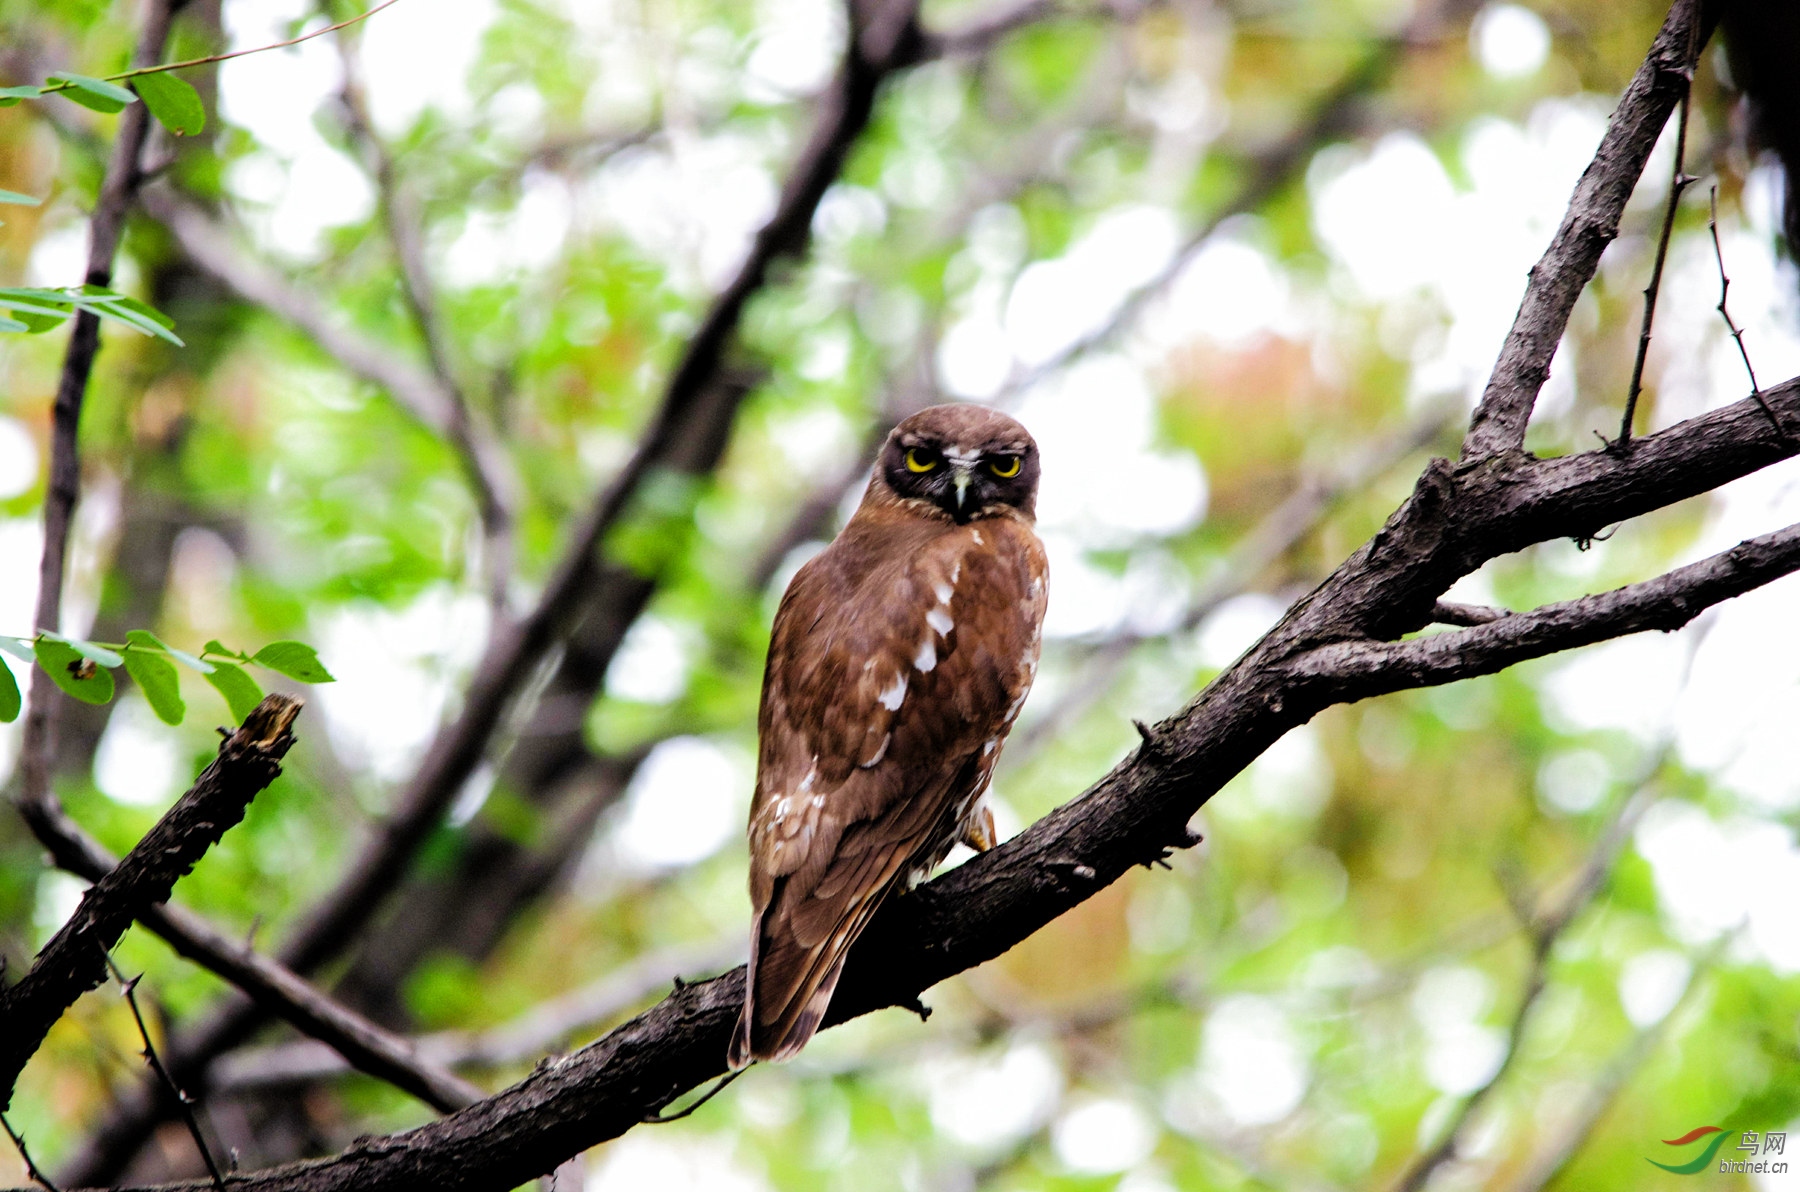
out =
column 1240, row 265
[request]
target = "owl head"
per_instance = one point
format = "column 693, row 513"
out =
column 968, row 462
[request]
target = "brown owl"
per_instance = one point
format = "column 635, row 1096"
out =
column 899, row 659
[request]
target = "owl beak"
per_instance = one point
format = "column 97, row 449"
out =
column 961, row 481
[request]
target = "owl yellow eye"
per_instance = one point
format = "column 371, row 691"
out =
column 920, row 461
column 1005, row 467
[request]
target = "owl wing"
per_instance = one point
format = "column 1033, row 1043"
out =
column 885, row 706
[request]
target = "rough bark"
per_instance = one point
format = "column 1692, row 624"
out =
column 74, row 961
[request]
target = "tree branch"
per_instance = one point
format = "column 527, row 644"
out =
column 1667, row 603
column 1545, row 928
column 37, row 800
column 74, row 961
column 489, row 469
column 1589, row 225
column 540, row 1031
column 276, row 990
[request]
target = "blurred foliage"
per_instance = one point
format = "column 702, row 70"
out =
column 1301, row 1002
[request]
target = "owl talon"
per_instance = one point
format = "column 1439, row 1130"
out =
column 979, row 833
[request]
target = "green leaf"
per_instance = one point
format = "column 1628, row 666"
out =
column 12, row 95
column 296, row 660
column 155, row 676
column 89, row 650
column 7, row 324
column 109, row 304
column 19, row 648
column 239, row 689
column 182, row 656
column 13, row 196
column 146, row 637
column 215, row 646
column 77, row 675
column 172, row 101
column 44, row 309
column 9, row 695
column 90, row 92
column 34, row 310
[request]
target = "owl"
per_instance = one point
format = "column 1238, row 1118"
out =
column 900, row 657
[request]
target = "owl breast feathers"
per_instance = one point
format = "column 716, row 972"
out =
column 900, row 657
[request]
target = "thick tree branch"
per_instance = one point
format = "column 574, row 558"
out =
column 1590, row 224
column 74, row 961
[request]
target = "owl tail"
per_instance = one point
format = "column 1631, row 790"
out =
column 781, row 1035
column 789, row 982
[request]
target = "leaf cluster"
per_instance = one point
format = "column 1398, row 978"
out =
column 83, row 669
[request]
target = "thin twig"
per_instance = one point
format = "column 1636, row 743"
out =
column 1737, row 333
column 211, row 58
column 1679, row 180
column 1589, row 224
column 658, row 1119
column 31, row 1169
column 129, row 990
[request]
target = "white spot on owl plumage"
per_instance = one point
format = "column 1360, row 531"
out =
column 926, row 658
column 940, row 620
column 944, row 591
column 892, row 695
column 886, row 740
